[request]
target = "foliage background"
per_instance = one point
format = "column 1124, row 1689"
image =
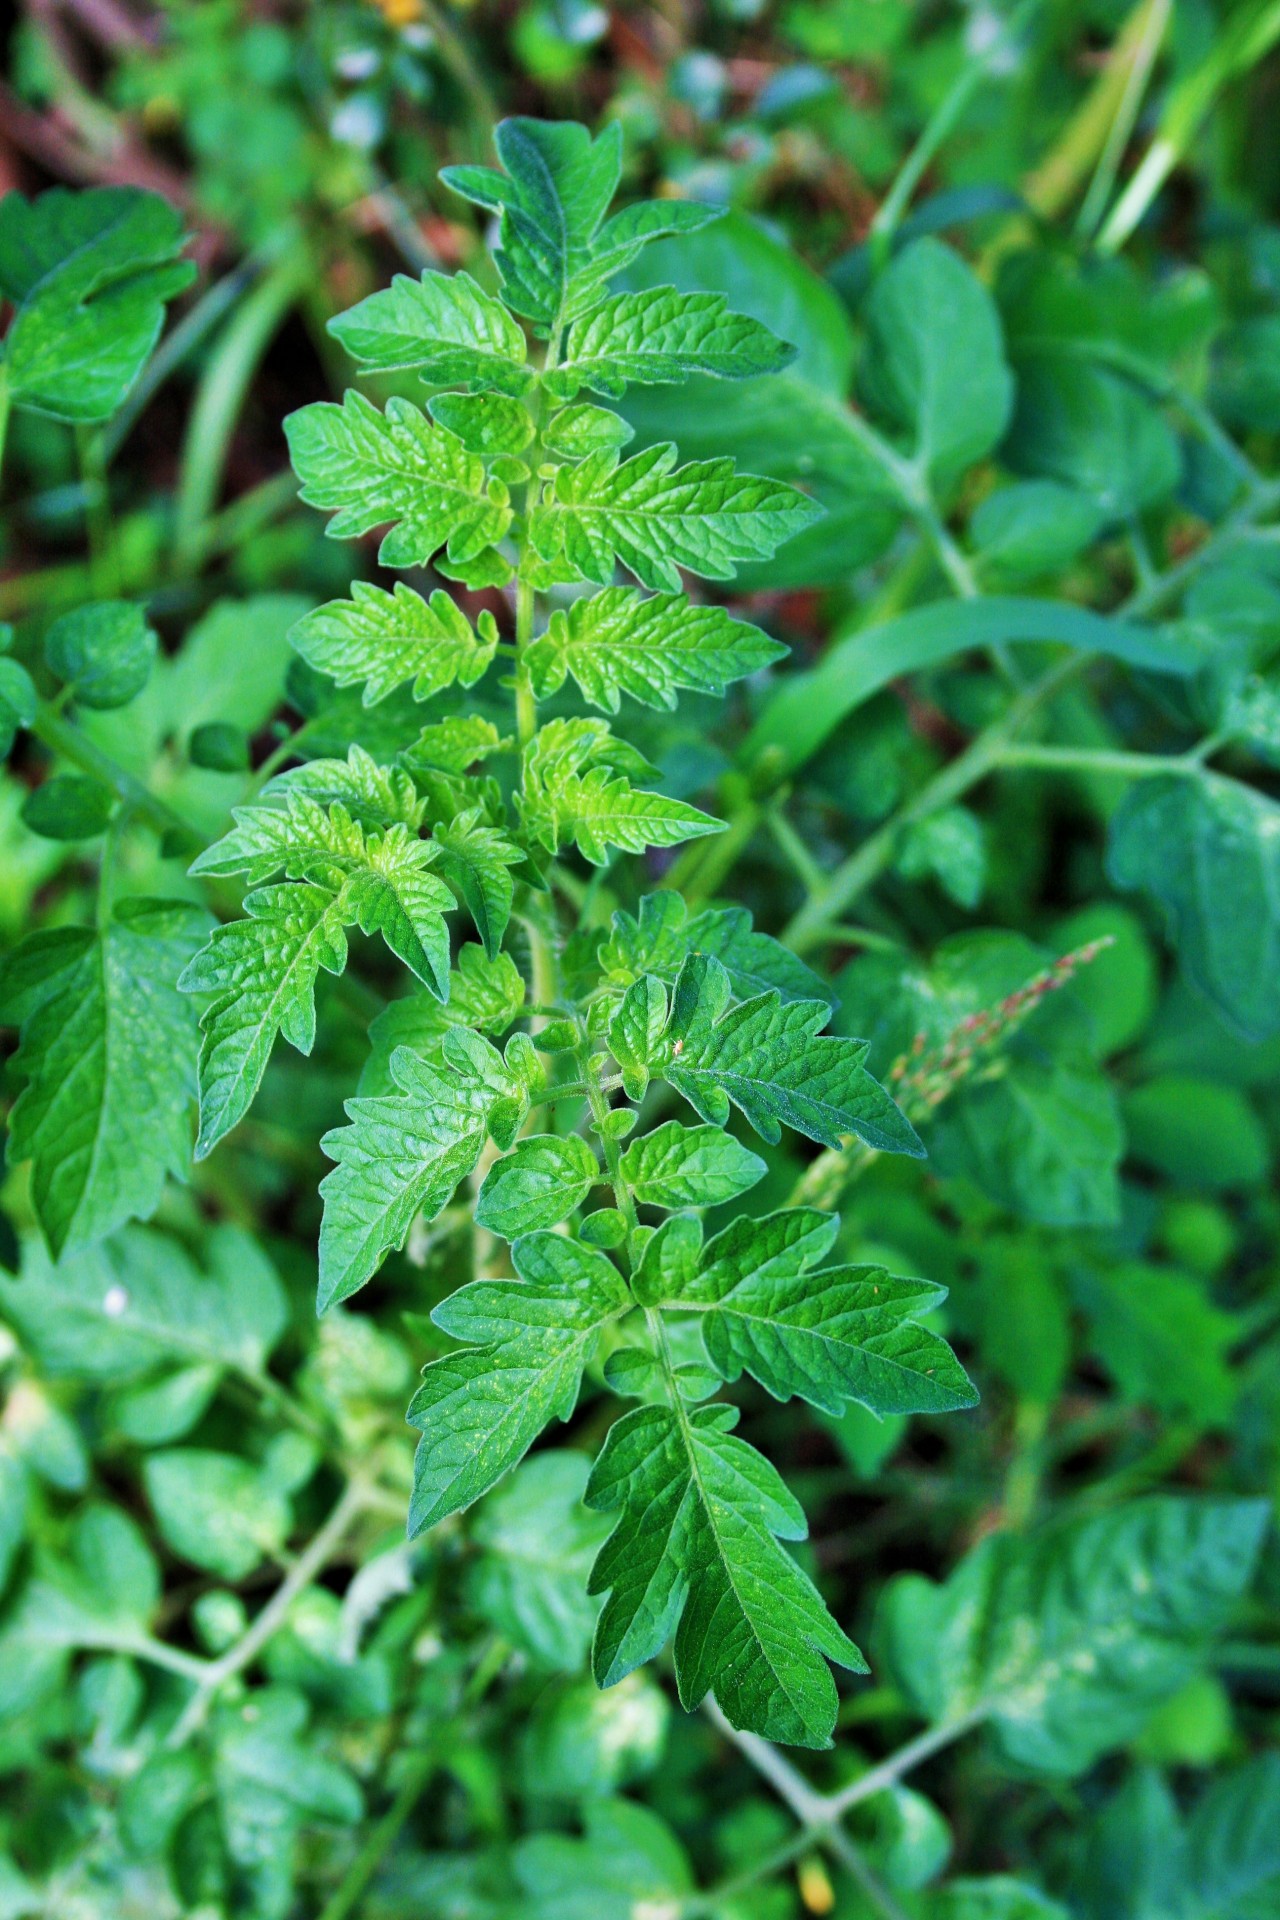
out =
column 201, row 1516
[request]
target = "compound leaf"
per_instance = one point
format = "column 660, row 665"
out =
column 481, row 1409
column 383, row 639
column 621, row 641
column 697, row 1543
column 476, row 860
column 372, row 467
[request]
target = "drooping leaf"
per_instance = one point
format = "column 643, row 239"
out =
column 620, row 641
column 660, row 337
column 481, row 1409
column 656, row 517
column 1208, row 850
column 829, row 1335
column 107, row 1065
column 260, row 974
column 383, row 639
column 1066, row 1640
column 476, row 860
column 405, row 1152
column 443, row 325
column 370, row 467
column 697, row 1543
column 677, row 1166
column 538, row 1184
column 89, row 273
column 770, row 1058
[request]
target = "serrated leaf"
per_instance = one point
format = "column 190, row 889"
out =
column 661, row 937
column 260, row 973
column 89, row 273
column 107, row 1061
column 538, row 1184
column 443, row 325
column 619, row 642
column 575, row 787
column 770, row 1058
column 486, row 423
column 405, row 1152
column 484, row 993
column 370, row 467
column 480, row 1410
column 383, row 639
column 375, row 795
column 476, row 860
column 828, row 1335
column 677, row 1166
column 451, row 746
column 660, row 337
column 1208, row 850
column 1066, row 1640
column 696, row 1545
column 656, row 517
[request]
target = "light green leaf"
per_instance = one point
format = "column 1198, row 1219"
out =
column 695, row 1544
column 661, row 937
column 539, row 1541
column 260, row 974
column 383, row 639
column 216, row 1510
column 575, row 787
column 770, row 1058
column 582, row 429
column 476, row 860
column 635, row 1032
column 1208, row 851
column 481, row 1409
column 443, row 325
column 372, row 467
column 405, row 1152
column 484, row 993
column 660, row 337
column 677, row 1166
column 486, row 423
column 538, row 1184
column 620, row 641
column 928, row 316
column 89, row 273
column 103, row 652
column 656, row 517
column 1067, row 1639
column 107, row 1062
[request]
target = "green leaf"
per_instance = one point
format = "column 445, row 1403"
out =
column 538, row 1184
column 830, row 1336
column 89, row 273
column 579, row 430
column 1088, row 428
column 1161, row 1338
column 677, row 1166
column 928, row 316
column 476, row 860
column 383, row 639
column 656, row 517
column 486, row 423
column 575, row 787
column 660, row 337
column 260, row 975
column 103, row 652
column 1208, row 851
column 770, row 1058
column 619, row 642
column 406, row 1151
column 481, row 1409
column 661, row 938
column 538, row 1543
column 629, row 1864
column 18, row 702
column 135, row 1303
column 1067, row 1639
column 695, row 1544
column 68, row 806
column 443, row 325
column 373, row 467
column 1031, row 528
column 216, row 1510
column 107, row 1065
column 483, row 992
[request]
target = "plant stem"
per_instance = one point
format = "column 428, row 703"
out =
column 311, row 1561
column 1134, row 766
column 6, row 401
column 382, row 1837
column 84, row 753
